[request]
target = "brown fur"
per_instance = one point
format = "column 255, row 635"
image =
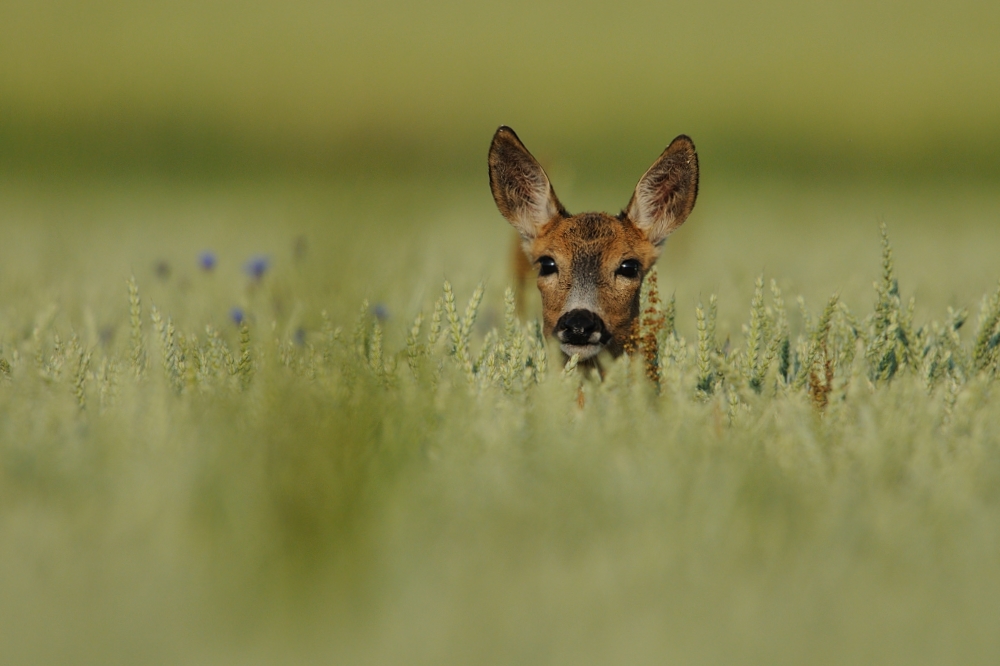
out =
column 599, row 243
column 521, row 269
column 589, row 248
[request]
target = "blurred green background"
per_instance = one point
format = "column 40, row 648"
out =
column 879, row 89
column 134, row 135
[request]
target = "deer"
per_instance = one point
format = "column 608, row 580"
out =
column 590, row 266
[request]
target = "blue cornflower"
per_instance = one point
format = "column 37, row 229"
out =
column 237, row 315
column 256, row 266
column 207, row 260
column 380, row 311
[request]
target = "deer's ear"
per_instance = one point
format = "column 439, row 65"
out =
column 665, row 194
column 520, row 187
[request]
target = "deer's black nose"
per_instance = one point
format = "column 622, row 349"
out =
column 580, row 327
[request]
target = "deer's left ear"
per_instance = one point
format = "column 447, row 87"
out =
column 665, row 194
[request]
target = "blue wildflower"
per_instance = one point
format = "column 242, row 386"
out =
column 380, row 311
column 207, row 260
column 257, row 266
column 237, row 315
column 300, row 336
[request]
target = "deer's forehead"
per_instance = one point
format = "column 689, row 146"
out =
column 589, row 236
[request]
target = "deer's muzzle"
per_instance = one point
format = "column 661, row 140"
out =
column 581, row 332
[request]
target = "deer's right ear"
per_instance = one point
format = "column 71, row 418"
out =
column 520, row 187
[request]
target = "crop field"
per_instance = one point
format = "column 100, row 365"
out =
column 319, row 441
column 266, row 397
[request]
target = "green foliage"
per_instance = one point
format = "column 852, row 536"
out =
column 707, row 352
column 515, row 359
column 138, row 356
column 890, row 330
column 452, row 493
column 984, row 354
column 758, row 355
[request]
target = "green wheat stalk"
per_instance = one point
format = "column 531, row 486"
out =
column 244, row 368
column 987, row 338
column 705, row 356
column 413, row 350
column 137, row 356
column 80, row 378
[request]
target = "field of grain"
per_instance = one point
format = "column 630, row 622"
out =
column 291, row 444
column 263, row 399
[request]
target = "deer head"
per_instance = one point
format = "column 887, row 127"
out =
column 591, row 265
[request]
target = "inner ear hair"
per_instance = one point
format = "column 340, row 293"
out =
column 521, row 188
column 665, row 195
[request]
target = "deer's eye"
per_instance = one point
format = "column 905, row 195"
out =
column 547, row 266
column 629, row 269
